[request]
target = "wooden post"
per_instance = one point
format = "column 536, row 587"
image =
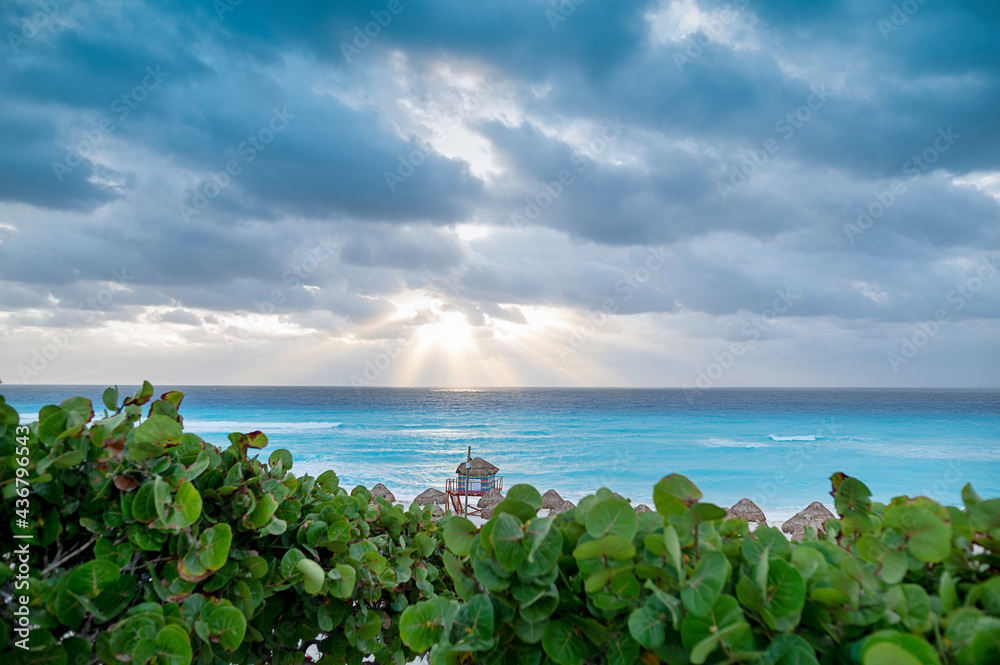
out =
column 468, row 468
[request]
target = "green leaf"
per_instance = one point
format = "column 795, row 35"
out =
column 173, row 646
column 520, row 509
column 475, row 620
column 458, row 535
column 215, row 543
column 766, row 539
column 674, row 494
column 508, row 541
column 703, row 589
column 422, row 625
column 985, row 517
column 343, row 578
column 186, row 507
column 153, row 437
column 88, row 578
column 527, row 494
column 229, row 625
column 283, row 456
column 142, row 395
column 789, row 649
column 545, row 543
column 68, row 459
column 313, row 576
column 852, row 494
column 611, row 547
column 673, row 545
column 785, row 595
column 615, row 518
column 648, row 626
column 723, row 623
column 262, row 512
column 928, row 536
column 564, row 643
column 110, row 398
column 888, row 647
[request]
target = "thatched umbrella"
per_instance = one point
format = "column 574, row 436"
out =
column 437, row 511
column 551, row 499
column 479, row 468
column 642, row 508
column 745, row 509
column 814, row 515
column 491, row 498
column 561, row 508
column 431, row 495
column 487, row 512
column 382, row 491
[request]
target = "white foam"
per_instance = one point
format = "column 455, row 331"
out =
column 804, row 437
column 732, row 443
column 247, row 426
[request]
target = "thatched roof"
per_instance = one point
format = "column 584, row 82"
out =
column 479, row 468
column 437, row 511
column 561, row 508
column 382, row 491
column 431, row 495
column 551, row 499
column 491, row 498
column 643, row 508
column 745, row 509
column 814, row 515
column 487, row 512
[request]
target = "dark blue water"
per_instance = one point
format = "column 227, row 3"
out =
column 776, row 446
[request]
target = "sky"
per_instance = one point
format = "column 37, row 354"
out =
column 679, row 193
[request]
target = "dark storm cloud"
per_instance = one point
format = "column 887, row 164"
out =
column 265, row 159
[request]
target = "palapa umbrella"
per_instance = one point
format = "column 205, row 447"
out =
column 745, row 509
column 479, row 468
column 491, row 498
column 561, row 508
column 814, row 515
column 642, row 508
column 382, row 491
column 431, row 495
column 551, row 499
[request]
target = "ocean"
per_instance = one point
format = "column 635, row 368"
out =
column 776, row 446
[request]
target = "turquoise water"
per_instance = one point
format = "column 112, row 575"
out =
column 777, row 447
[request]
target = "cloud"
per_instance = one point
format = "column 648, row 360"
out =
column 243, row 181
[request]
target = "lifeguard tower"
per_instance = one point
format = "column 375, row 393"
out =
column 474, row 478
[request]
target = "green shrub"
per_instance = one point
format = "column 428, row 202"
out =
column 909, row 583
column 151, row 546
